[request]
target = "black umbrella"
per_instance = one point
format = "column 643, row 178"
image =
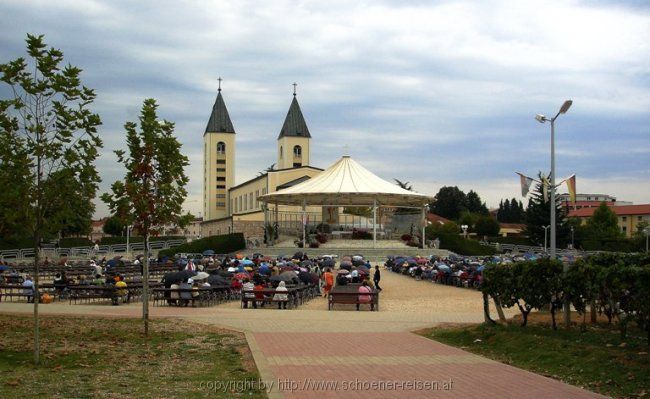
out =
column 176, row 277
column 216, row 279
column 298, row 255
column 285, row 278
column 328, row 262
column 304, row 277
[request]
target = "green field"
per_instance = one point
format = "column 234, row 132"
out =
column 595, row 359
column 85, row 357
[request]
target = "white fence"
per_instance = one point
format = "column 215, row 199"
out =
column 539, row 249
column 88, row 251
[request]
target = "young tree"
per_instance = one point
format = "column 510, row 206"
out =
column 154, row 184
column 48, row 119
column 538, row 214
column 16, row 217
column 487, row 226
column 449, row 202
column 113, row 226
column 603, row 224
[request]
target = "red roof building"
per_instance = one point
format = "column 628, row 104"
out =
column 629, row 216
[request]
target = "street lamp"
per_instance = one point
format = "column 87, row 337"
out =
column 545, row 229
column 464, row 227
column 128, row 233
column 541, row 119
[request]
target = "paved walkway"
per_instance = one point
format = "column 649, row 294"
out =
column 315, row 353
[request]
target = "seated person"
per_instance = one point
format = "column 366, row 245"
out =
column 365, row 289
column 281, row 295
column 259, row 294
column 28, row 289
column 120, row 290
column 186, row 296
column 248, row 293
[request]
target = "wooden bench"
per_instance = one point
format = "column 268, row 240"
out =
column 293, row 294
column 350, row 296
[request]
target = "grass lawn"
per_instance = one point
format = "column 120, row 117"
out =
column 85, row 357
column 596, row 359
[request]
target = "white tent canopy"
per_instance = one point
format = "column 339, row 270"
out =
column 346, row 182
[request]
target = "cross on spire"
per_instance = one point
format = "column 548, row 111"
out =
column 346, row 149
column 294, row 88
column 219, row 82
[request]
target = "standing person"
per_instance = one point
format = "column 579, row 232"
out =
column 376, row 277
column 328, row 278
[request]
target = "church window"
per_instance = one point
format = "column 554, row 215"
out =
column 221, row 178
column 280, row 152
column 297, row 151
column 250, row 201
column 221, row 161
column 221, row 148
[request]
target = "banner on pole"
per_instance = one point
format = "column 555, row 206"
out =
column 525, row 184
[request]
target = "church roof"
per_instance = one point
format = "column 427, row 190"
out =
column 219, row 119
column 294, row 123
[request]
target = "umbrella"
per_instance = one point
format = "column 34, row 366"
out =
column 264, row 269
column 422, row 261
column 305, row 277
column 201, row 276
column 239, row 256
column 298, row 255
column 343, row 271
column 328, row 262
column 241, row 276
column 281, row 277
column 480, row 268
column 209, row 252
column 247, row 262
column 176, row 277
column 3, row 267
column 215, row 279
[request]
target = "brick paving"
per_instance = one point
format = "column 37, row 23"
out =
column 315, row 353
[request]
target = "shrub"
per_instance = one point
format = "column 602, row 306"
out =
column 358, row 234
column 321, row 238
column 17, row 243
column 324, row 228
column 406, row 237
column 222, row 244
column 314, row 244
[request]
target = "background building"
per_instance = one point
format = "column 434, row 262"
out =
column 629, row 216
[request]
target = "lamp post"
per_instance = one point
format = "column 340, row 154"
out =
column 572, row 231
column 128, row 233
column 464, row 227
column 541, row 119
column 647, row 233
column 545, row 231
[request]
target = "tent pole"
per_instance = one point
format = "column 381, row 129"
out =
column 374, row 223
column 424, row 224
column 304, row 225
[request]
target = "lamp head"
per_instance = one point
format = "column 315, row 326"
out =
column 540, row 118
column 566, row 106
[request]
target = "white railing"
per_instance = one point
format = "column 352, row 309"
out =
column 88, row 251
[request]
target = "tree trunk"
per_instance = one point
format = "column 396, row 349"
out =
column 486, row 309
column 145, row 284
column 37, row 253
column 497, row 304
column 593, row 310
column 524, row 315
column 553, row 316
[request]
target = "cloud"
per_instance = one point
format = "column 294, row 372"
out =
column 430, row 92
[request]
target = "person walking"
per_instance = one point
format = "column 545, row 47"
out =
column 376, row 277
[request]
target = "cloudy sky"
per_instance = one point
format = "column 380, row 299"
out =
column 435, row 93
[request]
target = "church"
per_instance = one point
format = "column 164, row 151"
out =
column 235, row 208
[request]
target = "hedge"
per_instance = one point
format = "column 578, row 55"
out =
column 222, row 244
column 134, row 239
column 462, row 246
column 511, row 240
column 73, row 242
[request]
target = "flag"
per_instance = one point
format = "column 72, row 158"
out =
column 525, row 184
column 571, row 186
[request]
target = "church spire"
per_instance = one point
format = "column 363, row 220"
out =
column 294, row 124
column 219, row 119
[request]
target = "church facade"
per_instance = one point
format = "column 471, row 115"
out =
column 235, row 208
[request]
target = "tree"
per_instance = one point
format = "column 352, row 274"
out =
column 154, row 184
column 16, row 217
column 475, row 205
column 113, row 226
column 603, row 224
column 487, row 226
column 68, row 205
column 538, row 214
column 48, row 120
column 449, row 202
